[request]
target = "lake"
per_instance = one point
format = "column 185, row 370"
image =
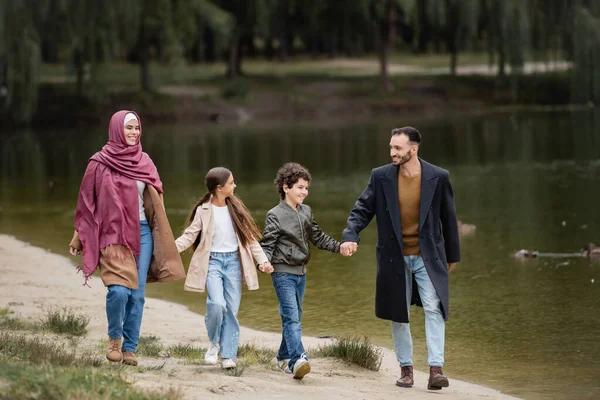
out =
column 527, row 180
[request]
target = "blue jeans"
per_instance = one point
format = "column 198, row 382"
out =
column 290, row 292
column 124, row 306
column 224, row 286
column 434, row 320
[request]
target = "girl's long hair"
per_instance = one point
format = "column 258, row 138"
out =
column 243, row 223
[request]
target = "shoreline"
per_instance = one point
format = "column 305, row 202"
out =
column 34, row 280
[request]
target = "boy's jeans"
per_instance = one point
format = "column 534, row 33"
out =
column 290, row 292
column 124, row 306
column 434, row 320
column 224, row 286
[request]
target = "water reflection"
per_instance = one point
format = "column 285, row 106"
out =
column 525, row 181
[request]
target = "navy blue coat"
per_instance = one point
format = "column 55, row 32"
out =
column 438, row 235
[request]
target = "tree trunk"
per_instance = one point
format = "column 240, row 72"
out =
column 452, row 24
column 145, row 70
column 498, row 16
column 269, row 49
column 424, row 27
column 283, row 42
column 234, row 65
column 384, row 43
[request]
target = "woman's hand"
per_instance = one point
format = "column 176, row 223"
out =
column 74, row 251
column 266, row 267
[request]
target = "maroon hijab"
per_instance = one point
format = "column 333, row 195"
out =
column 107, row 207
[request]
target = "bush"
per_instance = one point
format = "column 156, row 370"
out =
column 65, row 321
column 36, row 350
column 237, row 87
column 52, row 383
column 354, row 351
column 149, row 346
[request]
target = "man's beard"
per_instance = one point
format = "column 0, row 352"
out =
column 405, row 159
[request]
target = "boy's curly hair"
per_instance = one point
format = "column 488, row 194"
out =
column 289, row 174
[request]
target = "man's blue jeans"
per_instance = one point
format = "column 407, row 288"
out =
column 290, row 292
column 124, row 306
column 224, row 286
column 434, row 320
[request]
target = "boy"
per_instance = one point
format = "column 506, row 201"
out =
column 288, row 229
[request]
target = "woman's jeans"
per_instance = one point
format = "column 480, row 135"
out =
column 224, row 286
column 124, row 306
column 290, row 292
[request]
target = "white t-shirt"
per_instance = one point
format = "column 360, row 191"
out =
column 141, row 186
column 224, row 238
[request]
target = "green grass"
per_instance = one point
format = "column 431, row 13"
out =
column 354, row 351
column 186, row 351
column 253, row 355
column 38, row 350
column 149, row 346
column 126, row 75
column 11, row 323
column 72, row 383
column 65, row 321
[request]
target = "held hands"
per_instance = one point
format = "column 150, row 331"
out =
column 266, row 267
column 347, row 249
column 74, row 251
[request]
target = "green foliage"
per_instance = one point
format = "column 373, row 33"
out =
column 37, row 350
column 9, row 322
column 235, row 88
column 57, row 383
column 186, row 351
column 354, row 351
column 149, row 346
column 585, row 82
column 65, row 321
column 255, row 355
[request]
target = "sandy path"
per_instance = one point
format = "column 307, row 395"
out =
column 32, row 280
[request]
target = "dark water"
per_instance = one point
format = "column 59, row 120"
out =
column 529, row 328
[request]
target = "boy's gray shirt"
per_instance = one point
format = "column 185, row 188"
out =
column 286, row 235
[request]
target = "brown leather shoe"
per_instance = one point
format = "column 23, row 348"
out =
column 113, row 350
column 437, row 380
column 406, row 377
column 129, row 358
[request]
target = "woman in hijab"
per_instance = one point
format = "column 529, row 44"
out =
column 121, row 227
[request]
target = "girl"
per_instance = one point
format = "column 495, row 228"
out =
column 224, row 237
column 121, row 226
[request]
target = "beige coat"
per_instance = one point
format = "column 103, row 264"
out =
column 117, row 264
column 203, row 225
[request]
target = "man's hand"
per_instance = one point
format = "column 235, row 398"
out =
column 266, row 267
column 451, row 266
column 74, row 251
column 348, row 248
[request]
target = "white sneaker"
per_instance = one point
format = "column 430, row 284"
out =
column 301, row 368
column 229, row 363
column 282, row 364
column 212, row 354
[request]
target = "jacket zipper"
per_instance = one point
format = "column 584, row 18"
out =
column 301, row 228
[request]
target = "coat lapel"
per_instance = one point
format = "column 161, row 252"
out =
column 428, row 185
column 390, row 188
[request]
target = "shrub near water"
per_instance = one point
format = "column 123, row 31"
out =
column 57, row 383
column 149, row 346
column 353, row 350
column 37, row 350
column 65, row 321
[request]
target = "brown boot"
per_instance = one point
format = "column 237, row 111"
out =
column 113, row 350
column 437, row 380
column 129, row 358
column 406, row 377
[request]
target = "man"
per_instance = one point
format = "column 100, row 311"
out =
column 414, row 204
